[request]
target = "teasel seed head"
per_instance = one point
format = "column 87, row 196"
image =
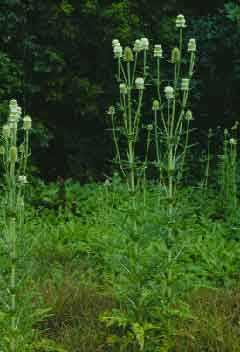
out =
column 185, row 84
column 149, row 127
column 137, row 46
column 210, row 133
column 188, row 115
column 6, row 131
column 123, row 88
column 13, row 154
column 111, row 110
column 156, row 105
column 158, row 51
column 27, row 123
column 233, row 141
column 115, row 42
column 192, row 46
column 22, row 179
column 118, row 51
column 13, row 104
column 128, row 54
column 175, row 56
column 180, row 21
column 169, row 92
column 145, row 43
column 139, row 82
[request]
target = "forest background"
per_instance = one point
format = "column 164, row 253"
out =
column 56, row 60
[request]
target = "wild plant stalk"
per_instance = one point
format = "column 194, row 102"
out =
column 144, row 167
column 14, row 161
column 228, row 173
column 130, row 109
column 175, row 125
column 208, row 159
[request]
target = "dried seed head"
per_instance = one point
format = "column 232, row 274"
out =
column 145, row 43
column 156, row 105
column 139, row 82
column 188, row 115
column 149, row 127
column 123, row 88
column 111, row 110
column 137, row 46
column 192, row 46
column 13, row 154
column 27, row 123
column 107, row 183
column 176, row 56
column 128, row 54
column 169, row 92
column 118, row 51
column 6, row 131
column 115, row 42
column 185, row 84
column 158, row 51
column 235, row 126
column 233, row 141
column 180, row 21
column 22, row 179
column 225, row 131
column 13, row 104
column 210, row 133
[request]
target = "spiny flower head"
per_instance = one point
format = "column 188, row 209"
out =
column 13, row 154
column 233, row 141
column 117, row 51
column 156, row 105
column 22, row 179
column 185, row 84
column 111, row 110
column 149, row 127
column 139, row 82
column 176, row 56
column 158, row 51
column 192, row 46
column 123, row 88
column 27, row 123
column 180, row 21
column 188, row 115
column 137, row 46
column 169, row 92
column 115, row 42
column 145, row 43
column 128, row 54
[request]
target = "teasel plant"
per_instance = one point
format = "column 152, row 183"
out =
column 126, row 116
column 172, row 118
column 206, row 159
column 228, row 171
column 14, row 157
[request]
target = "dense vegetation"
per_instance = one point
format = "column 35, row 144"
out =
column 134, row 244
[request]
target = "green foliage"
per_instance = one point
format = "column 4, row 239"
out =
column 104, row 289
